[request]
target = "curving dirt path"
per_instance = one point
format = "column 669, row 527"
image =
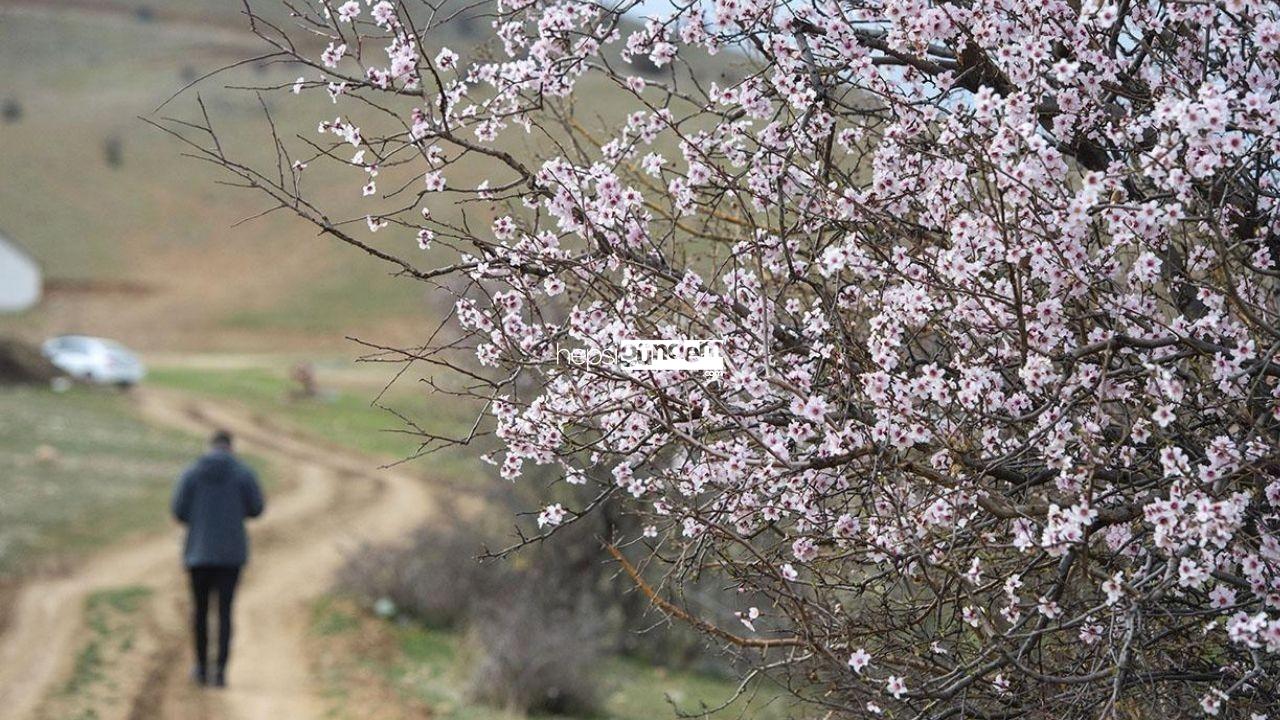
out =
column 331, row 500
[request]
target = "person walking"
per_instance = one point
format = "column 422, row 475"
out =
column 212, row 498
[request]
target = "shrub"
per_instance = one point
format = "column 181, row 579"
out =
column 537, row 623
column 433, row 576
column 534, row 625
column 534, row 650
column 21, row 363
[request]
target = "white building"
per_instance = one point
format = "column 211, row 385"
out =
column 20, row 282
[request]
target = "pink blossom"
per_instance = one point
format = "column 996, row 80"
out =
column 447, row 59
column 333, row 54
column 551, row 515
column 1222, row 597
column 895, row 686
column 859, row 660
column 994, row 284
column 349, row 10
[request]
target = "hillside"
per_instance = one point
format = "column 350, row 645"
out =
column 141, row 243
column 136, row 241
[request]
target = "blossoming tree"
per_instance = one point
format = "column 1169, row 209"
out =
column 995, row 281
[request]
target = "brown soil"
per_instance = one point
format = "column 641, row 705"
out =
column 22, row 362
column 350, row 661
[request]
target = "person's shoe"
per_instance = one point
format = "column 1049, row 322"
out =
column 198, row 675
column 219, row 679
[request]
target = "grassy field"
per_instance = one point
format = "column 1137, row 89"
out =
column 425, row 668
column 344, row 414
column 78, row 471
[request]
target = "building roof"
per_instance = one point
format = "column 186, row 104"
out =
column 21, row 281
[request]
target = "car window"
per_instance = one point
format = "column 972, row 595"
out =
column 74, row 345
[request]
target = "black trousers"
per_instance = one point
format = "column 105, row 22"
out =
column 204, row 582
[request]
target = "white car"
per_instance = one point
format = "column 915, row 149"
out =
column 95, row 360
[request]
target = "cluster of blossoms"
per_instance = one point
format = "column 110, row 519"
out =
column 996, row 286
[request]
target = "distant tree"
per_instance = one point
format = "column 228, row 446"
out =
column 113, row 151
column 11, row 110
column 996, row 284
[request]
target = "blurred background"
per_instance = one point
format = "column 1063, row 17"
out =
column 129, row 285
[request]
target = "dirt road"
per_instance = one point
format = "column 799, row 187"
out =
column 330, row 500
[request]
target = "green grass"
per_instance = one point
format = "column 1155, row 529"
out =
column 329, row 618
column 87, row 670
column 354, row 290
column 77, row 471
column 429, row 666
column 112, row 626
column 121, row 600
column 344, row 416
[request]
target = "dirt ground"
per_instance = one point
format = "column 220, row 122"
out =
column 329, row 501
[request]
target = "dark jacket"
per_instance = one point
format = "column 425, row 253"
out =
column 212, row 499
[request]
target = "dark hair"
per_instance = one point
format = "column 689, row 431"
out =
column 221, row 437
